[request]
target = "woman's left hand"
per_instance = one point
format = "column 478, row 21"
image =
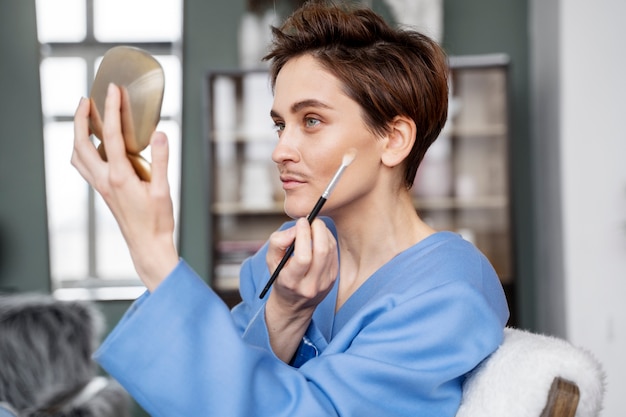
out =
column 143, row 210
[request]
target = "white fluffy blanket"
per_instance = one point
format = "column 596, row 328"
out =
column 515, row 380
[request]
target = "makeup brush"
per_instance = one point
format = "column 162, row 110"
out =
column 348, row 157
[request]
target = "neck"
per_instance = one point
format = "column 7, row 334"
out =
column 368, row 240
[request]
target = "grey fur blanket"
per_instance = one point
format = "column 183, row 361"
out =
column 45, row 359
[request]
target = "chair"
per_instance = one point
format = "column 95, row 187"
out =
column 563, row 399
column 45, row 360
column 534, row 375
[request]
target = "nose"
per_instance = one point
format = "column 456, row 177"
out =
column 285, row 151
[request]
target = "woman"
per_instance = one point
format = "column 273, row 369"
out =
column 376, row 313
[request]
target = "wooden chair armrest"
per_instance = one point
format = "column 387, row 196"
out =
column 562, row 399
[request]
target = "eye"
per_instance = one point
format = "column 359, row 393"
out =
column 311, row 122
column 279, row 126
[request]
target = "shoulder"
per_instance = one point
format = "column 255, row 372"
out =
column 447, row 265
column 444, row 257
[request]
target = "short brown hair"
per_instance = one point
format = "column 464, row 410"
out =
column 389, row 72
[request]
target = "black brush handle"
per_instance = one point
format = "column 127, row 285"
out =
column 312, row 215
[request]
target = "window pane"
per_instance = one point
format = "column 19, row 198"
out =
column 137, row 20
column 63, row 83
column 173, row 84
column 113, row 258
column 66, row 194
column 61, row 20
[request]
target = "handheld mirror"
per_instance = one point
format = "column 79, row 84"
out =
column 141, row 81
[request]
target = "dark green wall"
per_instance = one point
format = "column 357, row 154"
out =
column 24, row 264
column 210, row 42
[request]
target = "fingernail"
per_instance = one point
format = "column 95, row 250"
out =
column 111, row 88
column 158, row 140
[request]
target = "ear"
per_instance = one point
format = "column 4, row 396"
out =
column 399, row 141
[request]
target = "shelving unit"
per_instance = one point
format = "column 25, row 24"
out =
column 462, row 184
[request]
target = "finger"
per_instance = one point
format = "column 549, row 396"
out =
column 323, row 244
column 160, row 155
column 283, row 238
column 279, row 241
column 85, row 158
column 325, row 257
column 303, row 250
column 112, row 134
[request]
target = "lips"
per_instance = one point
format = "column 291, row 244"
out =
column 291, row 181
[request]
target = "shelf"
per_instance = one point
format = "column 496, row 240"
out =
column 479, row 130
column 227, row 277
column 480, row 61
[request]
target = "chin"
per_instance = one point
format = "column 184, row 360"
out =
column 295, row 211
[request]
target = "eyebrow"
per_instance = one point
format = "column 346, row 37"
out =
column 296, row 107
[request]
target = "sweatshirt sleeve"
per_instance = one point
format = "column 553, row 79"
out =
column 178, row 352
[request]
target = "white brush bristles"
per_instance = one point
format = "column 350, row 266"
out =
column 348, row 157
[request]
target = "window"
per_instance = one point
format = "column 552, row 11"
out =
column 88, row 256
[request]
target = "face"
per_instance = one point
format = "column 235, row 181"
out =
column 317, row 124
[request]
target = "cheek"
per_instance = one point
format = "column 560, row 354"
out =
column 324, row 169
column 357, row 178
column 364, row 173
column 322, row 162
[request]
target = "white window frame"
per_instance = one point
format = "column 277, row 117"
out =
column 93, row 286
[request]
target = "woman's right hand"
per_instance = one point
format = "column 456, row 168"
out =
column 302, row 284
column 143, row 210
